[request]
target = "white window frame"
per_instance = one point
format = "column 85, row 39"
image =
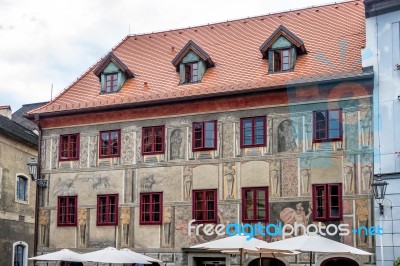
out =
column 28, row 185
column 25, row 252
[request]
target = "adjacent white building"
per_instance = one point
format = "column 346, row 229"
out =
column 383, row 53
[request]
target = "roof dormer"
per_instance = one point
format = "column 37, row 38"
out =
column 281, row 49
column 112, row 73
column 191, row 62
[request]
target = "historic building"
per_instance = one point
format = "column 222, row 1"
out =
column 383, row 53
column 265, row 119
column 18, row 145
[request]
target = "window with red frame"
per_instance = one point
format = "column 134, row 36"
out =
column 205, row 206
column 327, row 125
column 205, row 135
column 107, row 209
column 112, row 82
column 151, row 208
column 69, row 147
column 327, row 202
column 153, row 140
column 281, row 60
column 191, row 72
column 67, row 211
column 252, row 132
column 109, row 143
column 255, row 204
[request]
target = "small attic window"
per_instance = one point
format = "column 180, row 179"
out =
column 111, row 82
column 281, row 49
column 112, row 73
column 191, row 72
column 281, row 60
column 191, row 63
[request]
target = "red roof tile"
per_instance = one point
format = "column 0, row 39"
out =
column 333, row 36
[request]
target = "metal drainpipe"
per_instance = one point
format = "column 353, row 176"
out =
column 36, row 233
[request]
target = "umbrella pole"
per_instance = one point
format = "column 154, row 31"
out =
column 260, row 260
column 241, row 257
column 310, row 258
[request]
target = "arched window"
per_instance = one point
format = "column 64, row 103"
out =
column 22, row 188
column 20, row 254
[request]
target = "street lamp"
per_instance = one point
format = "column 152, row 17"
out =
column 379, row 189
column 34, row 172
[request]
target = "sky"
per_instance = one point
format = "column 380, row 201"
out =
column 45, row 45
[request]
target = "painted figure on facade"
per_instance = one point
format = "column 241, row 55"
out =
column 187, row 181
column 64, row 187
column 101, row 183
column 275, row 178
column 362, row 219
column 287, row 136
column 167, row 219
column 43, row 226
column 176, row 144
column 82, row 214
column 366, row 130
column 305, row 175
column 299, row 216
column 366, row 172
column 308, row 133
column 230, row 179
column 348, row 178
column 125, row 220
column 147, row 183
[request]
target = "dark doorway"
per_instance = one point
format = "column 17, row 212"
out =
column 267, row 262
column 70, row 263
column 210, row 261
column 339, row 262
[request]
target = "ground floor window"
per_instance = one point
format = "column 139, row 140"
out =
column 20, row 254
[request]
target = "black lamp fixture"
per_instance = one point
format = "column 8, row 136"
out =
column 33, row 172
column 379, row 189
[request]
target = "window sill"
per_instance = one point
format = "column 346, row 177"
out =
column 110, row 224
column 152, row 153
column 189, row 83
column 150, row 223
column 204, row 149
column 66, row 225
column 327, row 140
column 69, row 159
column 252, row 146
column 25, row 202
column 108, row 156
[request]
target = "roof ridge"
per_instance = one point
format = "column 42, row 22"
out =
column 239, row 19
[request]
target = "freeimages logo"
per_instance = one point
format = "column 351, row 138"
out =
column 280, row 229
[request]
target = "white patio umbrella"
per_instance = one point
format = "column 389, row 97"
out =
column 61, row 255
column 263, row 254
column 312, row 244
column 134, row 254
column 111, row 255
column 237, row 243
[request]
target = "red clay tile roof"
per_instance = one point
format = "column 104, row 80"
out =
column 333, row 36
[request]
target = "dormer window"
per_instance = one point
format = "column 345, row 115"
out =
column 281, row 60
column 281, row 49
column 191, row 63
column 191, row 72
column 111, row 82
column 112, row 73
